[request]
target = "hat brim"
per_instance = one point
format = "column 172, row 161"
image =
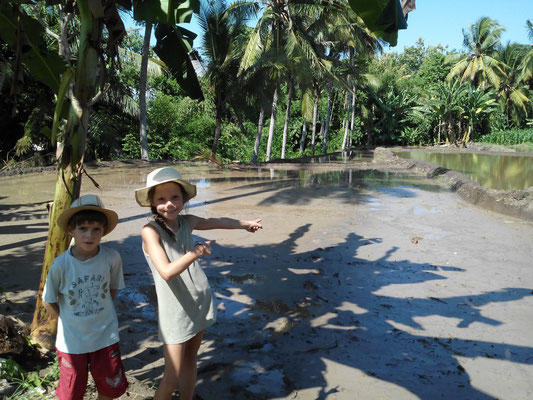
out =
column 65, row 216
column 141, row 195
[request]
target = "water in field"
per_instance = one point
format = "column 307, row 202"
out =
column 494, row 171
column 374, row 283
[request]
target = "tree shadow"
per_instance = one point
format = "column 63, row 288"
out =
column 285, row 317
column 296, row 313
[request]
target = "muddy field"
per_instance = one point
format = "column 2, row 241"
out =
column 368, row 281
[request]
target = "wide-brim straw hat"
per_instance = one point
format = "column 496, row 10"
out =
column 88, row 202
column 159, row 176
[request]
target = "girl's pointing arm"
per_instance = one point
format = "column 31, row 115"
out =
column 167, row 269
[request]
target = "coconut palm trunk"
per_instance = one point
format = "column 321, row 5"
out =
column 70, row 158
column 315, row 117
column 258, row 136
column 352, row 121
column 304, row 135
column 272, row 124
column 287, row 119
column 143, row 134
column 347, row 123
column 220, row 109
column 328, row 118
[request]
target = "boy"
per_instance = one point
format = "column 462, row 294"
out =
column 79, row 290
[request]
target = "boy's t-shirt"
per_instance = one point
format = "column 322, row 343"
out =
column 87, row 318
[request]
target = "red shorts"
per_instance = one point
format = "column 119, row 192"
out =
column 106, row 369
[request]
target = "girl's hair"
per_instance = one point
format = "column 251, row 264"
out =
column 158, row 218
column 87, row 216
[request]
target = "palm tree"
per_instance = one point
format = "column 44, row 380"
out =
column 223, row 41
column 513, row 91
column 278, row 36
column 143, row 80
column 479, row 64
column 527, row 64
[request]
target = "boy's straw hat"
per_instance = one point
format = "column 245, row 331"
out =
column 88, row 202
column 159, row 176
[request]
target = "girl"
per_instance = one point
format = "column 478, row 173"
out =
column 185, row 302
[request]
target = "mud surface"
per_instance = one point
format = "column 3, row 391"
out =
column 368, row 281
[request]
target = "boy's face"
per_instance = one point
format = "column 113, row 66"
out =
column 87, row 235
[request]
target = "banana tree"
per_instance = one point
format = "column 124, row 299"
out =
column 79, row 85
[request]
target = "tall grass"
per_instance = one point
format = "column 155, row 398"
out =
column 509, row 137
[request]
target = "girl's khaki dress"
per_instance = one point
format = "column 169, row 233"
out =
column 185, row 303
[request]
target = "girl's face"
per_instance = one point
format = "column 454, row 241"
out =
column 168, row 200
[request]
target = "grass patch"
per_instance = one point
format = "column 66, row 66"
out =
column 509, row 137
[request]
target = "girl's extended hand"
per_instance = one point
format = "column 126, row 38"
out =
column 253, row 225
column 203, row 248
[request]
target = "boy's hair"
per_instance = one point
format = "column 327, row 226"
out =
column 87, row 216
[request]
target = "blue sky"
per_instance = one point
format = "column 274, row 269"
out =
column 441, row 22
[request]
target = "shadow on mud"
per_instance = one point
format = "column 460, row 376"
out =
column 284, row 320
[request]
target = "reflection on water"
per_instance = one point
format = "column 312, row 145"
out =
column 492, row 171
column 345, row 157
column 381, row 180
column 320, row 183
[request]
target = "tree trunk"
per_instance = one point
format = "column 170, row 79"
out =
column 220, row 110
column 304, row 134
column 70, row 159
column 328, row 118
column 287, row 118
column 216, row 138
column 347, row 124
column 143, row 134
column 352, row 122
column 258, row 136
column 44, row 327
column 272, row 124
column 238, row 119
column 315, row 119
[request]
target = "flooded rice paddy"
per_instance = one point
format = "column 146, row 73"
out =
column 494, row 171
column 364, row 283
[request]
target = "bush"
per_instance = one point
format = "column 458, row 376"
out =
column 180, row 128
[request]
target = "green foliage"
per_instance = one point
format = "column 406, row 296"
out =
column 31, row 384
column 180, row 128
column 509, row 137
column 414, row 136
column 106, row 133
column 233, row 145
column 131, row 146
column 11, row 370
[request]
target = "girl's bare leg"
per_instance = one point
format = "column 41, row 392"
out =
column 180, row 369
column 187, row 375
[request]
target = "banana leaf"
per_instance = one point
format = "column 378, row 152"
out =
column 383, row 17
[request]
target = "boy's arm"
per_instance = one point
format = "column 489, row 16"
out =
column 52, row 308
column 113, row 293
column 224, row 223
